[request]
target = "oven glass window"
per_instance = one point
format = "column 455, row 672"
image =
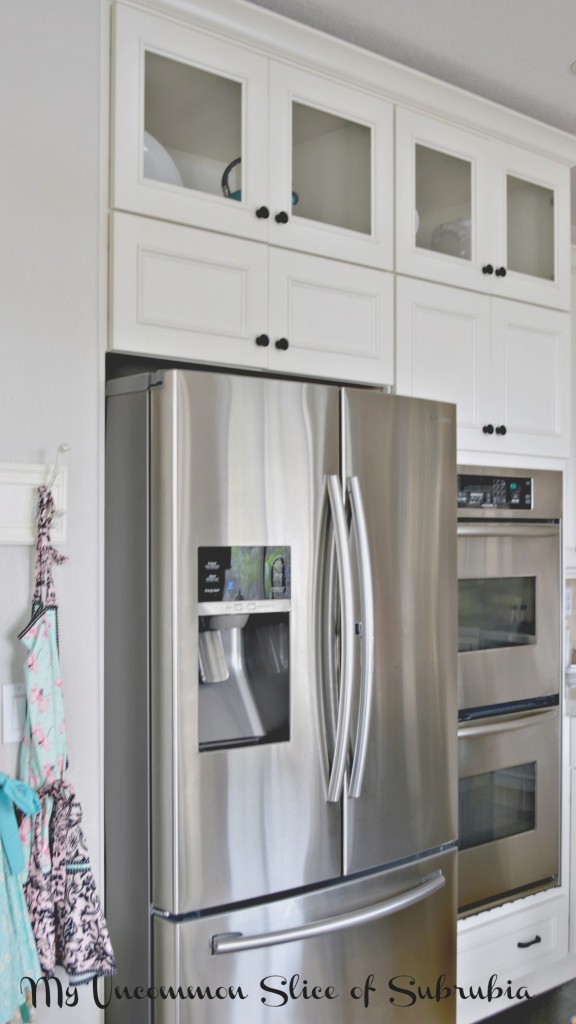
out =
column 497, row 804
column 498, row 612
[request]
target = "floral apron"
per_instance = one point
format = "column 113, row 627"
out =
column 18, row 957
column 65, row 911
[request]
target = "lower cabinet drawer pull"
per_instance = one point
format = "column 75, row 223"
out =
column 532, row 942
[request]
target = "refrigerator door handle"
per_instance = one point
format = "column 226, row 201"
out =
column 367, row 623
column 236, row 942
column 343, row 561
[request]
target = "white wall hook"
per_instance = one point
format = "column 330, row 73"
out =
column 59, row 452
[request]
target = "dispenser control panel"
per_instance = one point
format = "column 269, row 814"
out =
column 243, row 574
column 498, row 492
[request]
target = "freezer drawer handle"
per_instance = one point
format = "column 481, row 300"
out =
column 336, row 782
column 532, row 942
column 235, row 942
column 367, row 636
column 529, row 718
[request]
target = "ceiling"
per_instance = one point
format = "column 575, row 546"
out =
column 515, row 52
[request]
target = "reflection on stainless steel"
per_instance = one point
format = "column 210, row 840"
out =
column 294, row 777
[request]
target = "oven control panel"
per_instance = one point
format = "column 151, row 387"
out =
column 501, row 492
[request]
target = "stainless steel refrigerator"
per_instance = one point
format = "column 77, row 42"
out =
column 280, row 702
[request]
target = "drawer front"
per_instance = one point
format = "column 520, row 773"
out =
column 513, row 946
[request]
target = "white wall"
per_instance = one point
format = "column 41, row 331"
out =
column 51, row 364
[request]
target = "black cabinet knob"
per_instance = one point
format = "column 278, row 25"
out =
column 281, row 218
column 488, row 429
column 263, row 213
column 282, row 344
column 488, row 269
column 263, row 340
column 501, row 430
column 500, row 271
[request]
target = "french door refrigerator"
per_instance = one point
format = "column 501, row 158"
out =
column 280, row 702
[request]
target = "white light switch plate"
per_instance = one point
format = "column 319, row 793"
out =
column 13, row 712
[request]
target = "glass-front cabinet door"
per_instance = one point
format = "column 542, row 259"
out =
column 531, row 227
column 331, row 168
column 216, row 136
column 190, row 126
column 480, row 214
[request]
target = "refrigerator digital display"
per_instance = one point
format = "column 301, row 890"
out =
column 244, row 573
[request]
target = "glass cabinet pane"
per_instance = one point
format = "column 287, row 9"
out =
column 331, row 169
column 443, row 203
column 192, row 125
column 530, row 226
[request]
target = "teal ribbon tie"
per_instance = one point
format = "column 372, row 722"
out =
column 14, row 793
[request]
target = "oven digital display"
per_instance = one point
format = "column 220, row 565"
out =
column 500, row 492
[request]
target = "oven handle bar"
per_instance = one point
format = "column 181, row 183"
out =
column 236, row 942
column 508, row 530
column 464, row 732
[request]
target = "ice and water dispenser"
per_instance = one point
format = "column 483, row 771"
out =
column 243, row 646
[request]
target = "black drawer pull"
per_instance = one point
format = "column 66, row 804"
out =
column 262, row 213
column 282, row 344
column 488, row 269
column 500, row 271
column 532, row 942
column 501, row 430
column 263, row 340
column 488, row 429
column 281, row 218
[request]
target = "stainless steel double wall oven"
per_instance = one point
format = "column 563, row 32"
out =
column 509, row 668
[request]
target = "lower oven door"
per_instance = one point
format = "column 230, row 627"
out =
column 509, row 799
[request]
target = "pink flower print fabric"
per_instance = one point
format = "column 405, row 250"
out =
column 43, row 753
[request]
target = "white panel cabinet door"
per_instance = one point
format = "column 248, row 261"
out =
column 331, row 168
column 180, row 293
column 479, row 214
column 505, row 365
column 330, row 319
column 190, row 126
column 443, row 350
column 530, row 392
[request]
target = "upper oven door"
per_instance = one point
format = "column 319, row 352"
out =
column 508, row 612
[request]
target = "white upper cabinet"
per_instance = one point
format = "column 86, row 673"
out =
column 505, row 364
column 216, row 136
column 182, row 293
column 477, row 213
